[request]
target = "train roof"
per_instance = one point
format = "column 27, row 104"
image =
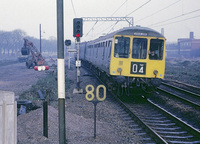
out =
column 139, row 31
column 136, row 31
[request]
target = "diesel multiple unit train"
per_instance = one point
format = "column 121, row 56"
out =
column 127, row 60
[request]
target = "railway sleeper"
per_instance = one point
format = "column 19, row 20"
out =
column 172, row 132
column 182, row 142
column 167, row 129
column 178, row 137
column 157, row 121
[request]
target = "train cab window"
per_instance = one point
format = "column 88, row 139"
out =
column 122, row 46
column 139, row 50
column 156, row 49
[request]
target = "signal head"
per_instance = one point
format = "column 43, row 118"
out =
column 77, row 27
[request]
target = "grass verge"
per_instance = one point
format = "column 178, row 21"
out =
column 183, row 70
column 48, row 87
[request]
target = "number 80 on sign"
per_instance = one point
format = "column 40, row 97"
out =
column 90, row 92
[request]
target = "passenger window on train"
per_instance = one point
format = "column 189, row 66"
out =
column 109, row 43
column 103, row 44
column 109, row 51
column 156, row 49
column 122, row 46
column 139, row 50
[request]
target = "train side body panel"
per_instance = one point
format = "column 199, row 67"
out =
column 99, row 56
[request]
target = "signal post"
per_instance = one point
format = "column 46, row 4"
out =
column 77, row 33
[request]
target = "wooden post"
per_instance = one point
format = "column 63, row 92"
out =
column 45, row 119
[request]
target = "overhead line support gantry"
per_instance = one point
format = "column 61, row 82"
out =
column 128, row 19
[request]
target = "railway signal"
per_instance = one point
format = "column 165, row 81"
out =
column 78, row 27
column 77, row 33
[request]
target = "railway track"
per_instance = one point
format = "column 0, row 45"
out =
column 137, row 124
column 182, row 85
column 154, row 123
column 190, row 98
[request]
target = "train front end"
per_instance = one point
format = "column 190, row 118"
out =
column 138, row 58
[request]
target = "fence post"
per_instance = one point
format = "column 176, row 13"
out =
column 15, row 122
column 8, row 118
column 4, row 122
column 45, row 119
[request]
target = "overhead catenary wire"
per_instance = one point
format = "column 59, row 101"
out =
column 125, row 16
column 138, row 8
column 113, row 27
column 132, row 12
column 73, row 8
column 159, row 10
column 175, row 17
column 91, row 28
column 111, row 16
column 178, row 21
column 107, row 28
column 119, row 8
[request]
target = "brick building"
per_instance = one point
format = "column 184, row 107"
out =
column 185, row 47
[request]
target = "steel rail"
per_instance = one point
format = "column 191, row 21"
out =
column 155, row 136
column 180, row 89
column 183, row 124
column 193, row 104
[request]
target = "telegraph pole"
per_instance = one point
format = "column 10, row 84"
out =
column 40, row 40
column 61, row 72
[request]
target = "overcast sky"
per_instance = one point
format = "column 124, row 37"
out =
column 177, row 17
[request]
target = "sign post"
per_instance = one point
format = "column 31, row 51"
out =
column 91, row 98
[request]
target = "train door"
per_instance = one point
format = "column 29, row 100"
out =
column 120, row 56
column 138, row 62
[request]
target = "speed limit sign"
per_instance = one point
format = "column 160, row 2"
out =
column 90, row 93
